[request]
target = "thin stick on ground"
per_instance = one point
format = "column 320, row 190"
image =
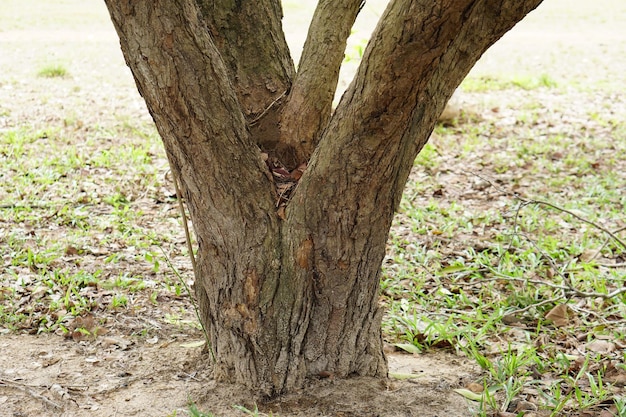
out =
column 26, row 389
column 613, row 235
column 191, row 255
column 606, row 242
column 193, row 302
column 181, row 207
column 568, row 290
column 527, row 201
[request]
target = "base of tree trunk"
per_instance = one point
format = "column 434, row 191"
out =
column 288, row 267
column 361, row 396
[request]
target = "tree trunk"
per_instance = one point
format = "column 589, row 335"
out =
column 289, row 258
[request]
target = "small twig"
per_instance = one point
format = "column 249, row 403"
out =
column 599, row 251
column 539, row 304
column 582, row 219
column 25, row 207
column 527, row 280
column 494, row 185
column 193, row 259
column 621, row 265
column 606, row 242
column 515, row 230
column 612, row 294
column 526, row 201
column 125, row 383
column 181, row 207
column 264, row 112
column 569, row 291
column 25, row 388
column 551, row 261
column 591, row 313
column 193, row 303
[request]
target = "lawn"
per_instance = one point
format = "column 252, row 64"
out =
column 506, row 263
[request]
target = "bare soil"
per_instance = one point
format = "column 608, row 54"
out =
column 122, row 374
column 114, row 376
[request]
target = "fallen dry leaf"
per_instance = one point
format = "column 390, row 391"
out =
column 71, row 251
column 611, row 412
column 615, row 375
column 559, row 315
column 600, row 346
column 525, row 406
column 475, row 387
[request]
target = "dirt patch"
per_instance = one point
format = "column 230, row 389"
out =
column 111, row 376
column 119, row 376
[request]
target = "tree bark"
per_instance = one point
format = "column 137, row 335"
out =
column 250, row 40
column 288, row 267
column 310, row 101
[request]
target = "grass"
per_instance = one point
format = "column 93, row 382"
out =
column 53, row 71
column 486, row 83
column 78, row 221
column 480, row 275
column 476, row 263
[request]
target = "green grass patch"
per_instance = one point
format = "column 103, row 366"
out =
column 53, row 71
column 508, row 249
column 486, row 83
column 80, row 241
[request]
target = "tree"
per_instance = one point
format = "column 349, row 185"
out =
column 292, row 201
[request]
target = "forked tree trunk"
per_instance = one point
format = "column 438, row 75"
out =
column 288, row 268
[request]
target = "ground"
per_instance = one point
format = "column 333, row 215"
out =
column 94, row 314
column 115, row 376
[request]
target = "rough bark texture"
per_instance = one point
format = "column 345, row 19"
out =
column 249, row 37
column 310, row 101
column 288, row 287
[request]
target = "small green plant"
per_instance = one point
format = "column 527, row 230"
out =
column 154, row 260
column 620, row 405
column 53, row 71
column 119, row 301
column 10, row 319
column 195, row 412
column 488, row 83
column 123, row 281
column 253, row 413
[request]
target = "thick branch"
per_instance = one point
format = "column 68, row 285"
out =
column 181, row 75
column 310, row 102
column 175, row 64
column 419, row 53
column 252, row 44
